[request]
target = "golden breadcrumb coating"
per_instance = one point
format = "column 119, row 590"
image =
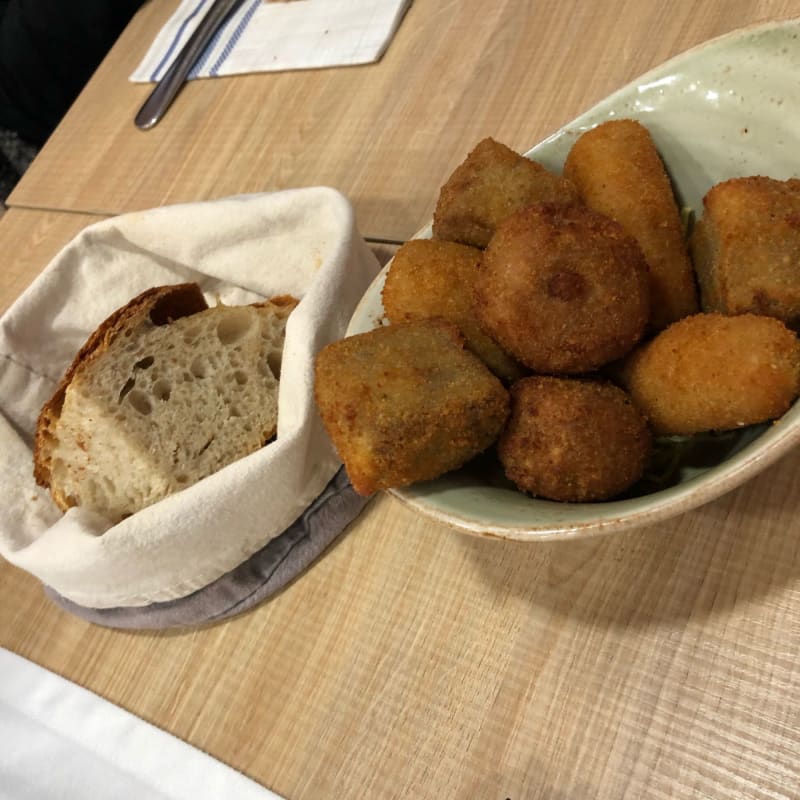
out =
column 619, row 173
column 428, row 279
column 407, row 403
column 563, row 289
column 746, row 248
column 711, row 372
column 487, row 187
column 572, row 439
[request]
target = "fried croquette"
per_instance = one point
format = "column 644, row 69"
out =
column 487, row 187
column 746, row 248
column 711, row 372
column 563, row 289
column 572, row 439
column 430, row 279
column 618, row 172
column 407, row 403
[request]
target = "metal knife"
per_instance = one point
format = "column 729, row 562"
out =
column 168, row 87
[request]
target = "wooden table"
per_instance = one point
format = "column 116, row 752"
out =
column 412, row 660
column 387, row 134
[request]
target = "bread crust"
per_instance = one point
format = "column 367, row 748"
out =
column 162, row 304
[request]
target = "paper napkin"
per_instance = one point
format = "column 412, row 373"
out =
column 264, row 36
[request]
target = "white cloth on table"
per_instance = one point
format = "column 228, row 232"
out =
column 59, row 741
column 239, row 250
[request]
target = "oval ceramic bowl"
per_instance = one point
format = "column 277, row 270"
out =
column 728, row 108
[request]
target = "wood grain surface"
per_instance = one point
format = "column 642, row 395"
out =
column 32, row 238
column 386, row 134
column 413, row 660
column 416, row 661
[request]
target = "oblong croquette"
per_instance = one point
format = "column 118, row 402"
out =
column 563, row 289
column 429, row 278
column 573, row 440
column 618, row 172
column 713, row 372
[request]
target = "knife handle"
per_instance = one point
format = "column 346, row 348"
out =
column 168, row 87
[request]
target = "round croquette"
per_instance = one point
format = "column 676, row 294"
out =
column 573, row 439
column 711, row 372
column 563, row 289
column 429, row 279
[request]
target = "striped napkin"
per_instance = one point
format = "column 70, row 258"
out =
column 263, row 36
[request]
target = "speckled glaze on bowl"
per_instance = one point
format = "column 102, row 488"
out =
column 727, row 108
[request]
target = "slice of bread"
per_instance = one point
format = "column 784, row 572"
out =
column 165, row 392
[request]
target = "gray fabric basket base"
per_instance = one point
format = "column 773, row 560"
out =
column 262, row 575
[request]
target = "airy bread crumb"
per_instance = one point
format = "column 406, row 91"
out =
column 154, row 403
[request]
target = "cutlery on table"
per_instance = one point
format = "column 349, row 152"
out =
column 170, row 84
